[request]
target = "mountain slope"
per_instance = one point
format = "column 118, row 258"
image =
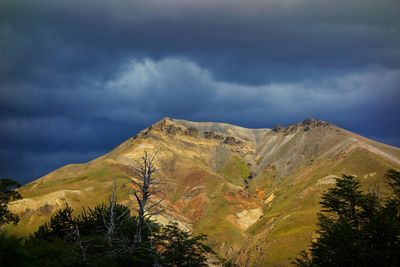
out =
column 255, row 192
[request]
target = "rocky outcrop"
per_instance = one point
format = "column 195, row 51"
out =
column 313, row 123
column 213, row 135
column 230, row 140
column 278, row 128
column 305, row 126
column 166, row 126
column 192, row 131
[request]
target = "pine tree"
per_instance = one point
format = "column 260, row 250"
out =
column 356, row 228
column 180, row 248
column 61, row 225
column 7, row 194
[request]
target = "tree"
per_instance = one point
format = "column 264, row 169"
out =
column 89, row 239
column 114, row 217
column 7, row 194
column 142, row 189
column 111, row 225
column 180, row 248
column 12, row 252
column 393, row 179
column 356, row 228
column 61, row 225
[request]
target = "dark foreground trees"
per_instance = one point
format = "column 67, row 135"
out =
column 84, row 241
column 179, row 248
column 7, row 194
column 356, row 228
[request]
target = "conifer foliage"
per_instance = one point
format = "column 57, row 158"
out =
column 7, row 194
column 356, row 228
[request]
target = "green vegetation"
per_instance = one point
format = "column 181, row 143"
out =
column 215, row 223
column 7, row 194
column 236, row 170
column 179, row 248
column 85, row 240
column 356, row 228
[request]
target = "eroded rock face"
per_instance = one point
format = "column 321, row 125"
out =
column 192, row 131
column 213, row 135
column 278, row 128
column 169, row 128
column 166, row 126
column 230, row 140
column 314, row 123
column 305, row 126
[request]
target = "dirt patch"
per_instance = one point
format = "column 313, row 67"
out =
column 260, row 193
column 55, row 199
column 270, row 198
column 330, row 179
column 248, row 217
column 371, row 174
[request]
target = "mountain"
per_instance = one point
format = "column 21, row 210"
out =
column 254, row 192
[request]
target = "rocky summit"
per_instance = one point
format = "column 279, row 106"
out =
column 254, row 192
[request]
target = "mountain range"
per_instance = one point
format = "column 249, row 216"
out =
column 254, row 192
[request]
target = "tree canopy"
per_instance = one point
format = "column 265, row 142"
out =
column 356, row 228
column 7, row 194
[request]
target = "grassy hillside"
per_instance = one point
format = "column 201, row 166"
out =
column 254, row 192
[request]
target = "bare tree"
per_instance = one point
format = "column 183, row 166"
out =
column 76, row 237
column 142, row 190
column 114, row 219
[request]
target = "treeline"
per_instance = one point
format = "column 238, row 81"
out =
column 87, row 240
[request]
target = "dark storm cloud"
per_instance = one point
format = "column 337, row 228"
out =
column 275, row 39
column 78, row 77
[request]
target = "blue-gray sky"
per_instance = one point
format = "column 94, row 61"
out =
column 79, row 77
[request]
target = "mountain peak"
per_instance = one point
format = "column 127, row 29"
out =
column 305, row 125
column 164, row 122
column 172, row 127
column 314, row 122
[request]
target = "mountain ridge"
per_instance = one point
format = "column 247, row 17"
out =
column 251, row 190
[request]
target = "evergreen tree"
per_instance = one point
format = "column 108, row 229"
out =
column 355, row 228
column 7, row 194
column 179, row 248
column 61, row 225
column 12, row 251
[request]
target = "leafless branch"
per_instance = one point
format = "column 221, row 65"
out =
column 142, row 189
column 75, row 235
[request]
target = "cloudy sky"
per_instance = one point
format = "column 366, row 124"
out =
column 79, row 77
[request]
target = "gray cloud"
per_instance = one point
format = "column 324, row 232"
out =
column 274, row 39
